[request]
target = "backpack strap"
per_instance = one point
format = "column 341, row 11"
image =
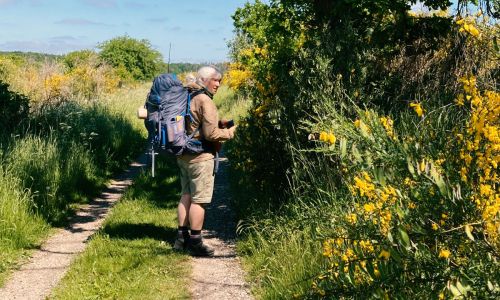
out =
column 188, row 112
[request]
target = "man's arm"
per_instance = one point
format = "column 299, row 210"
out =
column 210, row 123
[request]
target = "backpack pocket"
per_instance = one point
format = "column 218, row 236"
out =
column 175, row 130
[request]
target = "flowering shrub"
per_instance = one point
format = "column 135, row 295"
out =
column 404, row 193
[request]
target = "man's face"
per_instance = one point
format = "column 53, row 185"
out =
column 213, row 85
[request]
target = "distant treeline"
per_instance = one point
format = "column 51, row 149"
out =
column 39, row 57
column 177, row 68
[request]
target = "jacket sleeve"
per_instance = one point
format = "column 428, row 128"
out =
column 210, row 123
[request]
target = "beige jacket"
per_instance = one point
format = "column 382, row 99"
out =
column 204, row 111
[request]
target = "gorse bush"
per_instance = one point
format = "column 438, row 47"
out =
column 84, row 77
column 382, row 122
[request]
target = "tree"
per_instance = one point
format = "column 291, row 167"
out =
column 134, row 59
column 76, row 58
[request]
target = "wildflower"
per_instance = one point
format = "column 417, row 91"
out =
column 331, row 138
column 435, row 226
column 366, row 246
column 417, row 108
column 369, row 207
column 444, row 253
column 323, row 136
column 441, row 296
column 388, row 125
column 422, row 166
column 384, row 254
column 352, row 218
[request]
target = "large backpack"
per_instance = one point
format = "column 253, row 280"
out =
column 168, row 106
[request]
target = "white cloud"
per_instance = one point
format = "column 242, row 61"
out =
column 52, row 46
column 80, row 22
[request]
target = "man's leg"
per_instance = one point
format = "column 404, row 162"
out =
column 183, row 210
column 196, row 216
column 183, row 220
column 196, row 219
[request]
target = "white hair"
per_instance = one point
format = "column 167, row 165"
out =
column 206, row 73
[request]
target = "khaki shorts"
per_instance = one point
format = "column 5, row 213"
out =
column 197, row 179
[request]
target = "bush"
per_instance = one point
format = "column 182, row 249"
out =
column 132, row 58
column 384, row 119
column 14, row 108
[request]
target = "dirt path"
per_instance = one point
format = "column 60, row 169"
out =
column 219, row 277
column 35, row 279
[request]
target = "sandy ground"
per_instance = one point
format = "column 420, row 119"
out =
column 219, row 277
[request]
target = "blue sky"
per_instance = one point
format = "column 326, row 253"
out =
column 198, row 29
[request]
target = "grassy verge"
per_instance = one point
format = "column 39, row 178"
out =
column 61, row 159
column 131, row 257
column 280, row 260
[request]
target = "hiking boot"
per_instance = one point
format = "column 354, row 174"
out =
column 180, row 244
column 198, row 248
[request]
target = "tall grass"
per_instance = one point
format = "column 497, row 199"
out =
column 230, row 105
column 60, row 156
column 19, row 227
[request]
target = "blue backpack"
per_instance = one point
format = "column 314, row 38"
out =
column 168, row 105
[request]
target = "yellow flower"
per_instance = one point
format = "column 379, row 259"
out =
column 417, row 108
column 369, row 207
column 331, row 138
column 441, row 296
column 384, row 254
column 323, row 136
column 352, row 218
column 444, row 253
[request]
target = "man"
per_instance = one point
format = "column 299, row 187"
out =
column 197, row 170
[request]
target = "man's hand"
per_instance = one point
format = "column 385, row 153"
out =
column 232, row 130
column 226, row 123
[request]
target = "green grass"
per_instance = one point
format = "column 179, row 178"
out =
column 280, row 261
column 20, row 229
column 131, row 257
column 62, row 159
column 230, row 105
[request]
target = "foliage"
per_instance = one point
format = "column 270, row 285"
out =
column 49, row 83
column 77, row 58
column 56, row 155
column 355, row 110
column 14, row 108
column 134, row 59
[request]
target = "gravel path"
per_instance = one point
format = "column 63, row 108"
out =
column 36, row 278
column 219, row 277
